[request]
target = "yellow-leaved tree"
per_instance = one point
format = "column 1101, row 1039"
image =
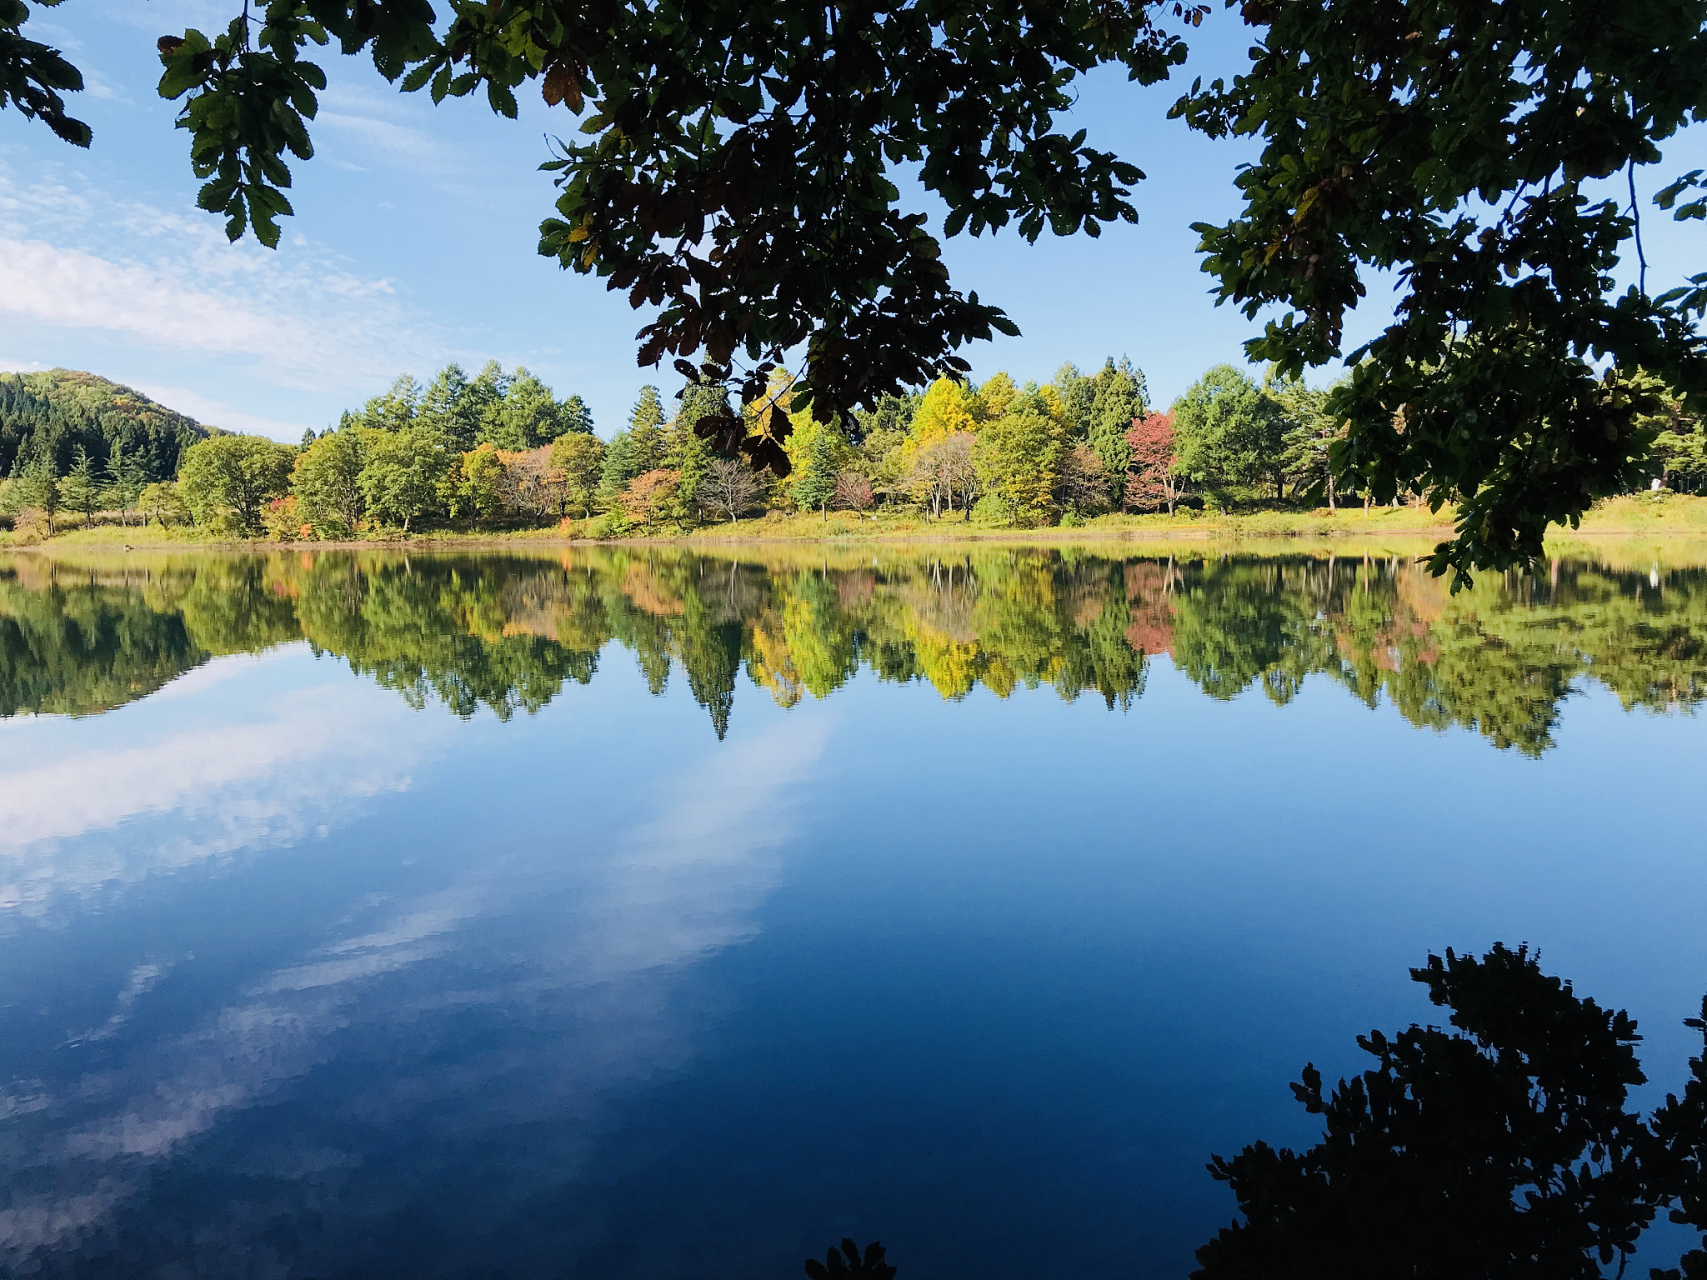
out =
column 946, row 410
column 995, row 396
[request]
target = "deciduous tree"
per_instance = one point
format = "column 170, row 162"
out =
column 1150, row 478
column 735, row 175
column 402, row 474
column 162, row 503
column 730, row 486
column 578, row 456
column 473, row 484
column 853, row 492
column 1081, row 484
column 652, row 496
column 225, row 479
column 1018, row 456
column 326, row 481
column 1459, row 148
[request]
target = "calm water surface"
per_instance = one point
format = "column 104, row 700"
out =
column 634, row 914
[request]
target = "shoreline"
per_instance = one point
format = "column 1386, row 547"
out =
column 1669, row 518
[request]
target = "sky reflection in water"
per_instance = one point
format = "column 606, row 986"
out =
column 629, row 913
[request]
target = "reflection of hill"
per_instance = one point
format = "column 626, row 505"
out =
column 82, row 648
column 505, row 632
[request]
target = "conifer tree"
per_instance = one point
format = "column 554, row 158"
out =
column 573, row 415
column 689, row 454
column 80, row 491
column 814, row 452
column 646, row 431
column 127, row 477
column 1118, row 402
column 618, row 467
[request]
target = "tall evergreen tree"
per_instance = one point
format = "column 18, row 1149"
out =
column 452, row 407
column 687, row 452
column 619, row 467
column 814, row 450
column 127, row 477
column 646, row 430
column 526, row 416
column 1118, row 400
column 80, row 491
column 573, row 415
column 396, row 408
column 1076, row 392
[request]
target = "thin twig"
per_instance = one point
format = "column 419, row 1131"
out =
column 1636, row 213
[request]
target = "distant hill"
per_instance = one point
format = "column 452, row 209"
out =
column 55, row 411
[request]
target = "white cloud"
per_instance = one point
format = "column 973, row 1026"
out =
column 410, row 147
column 672, row 891
column 298, row 318
column 198, row 794
column 214, row 414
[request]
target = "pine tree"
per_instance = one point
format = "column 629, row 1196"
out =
column 814, row 450
column 687, row 452
column 1118, row 402
column 452, row 407
column 619, row 467
column 574, row 415
column 646, row 431
column 127, row 477
column 79, row 490
column 1076, row 392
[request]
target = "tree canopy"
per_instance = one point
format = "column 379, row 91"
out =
column 48, row 415
column 734, row 161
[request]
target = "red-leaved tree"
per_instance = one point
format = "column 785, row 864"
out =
column 1150, row 478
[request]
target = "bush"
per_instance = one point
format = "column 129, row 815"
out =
column 612, row 524
column 993, row 509
column 284, row 521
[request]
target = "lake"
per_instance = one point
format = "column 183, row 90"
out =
column 636, row 913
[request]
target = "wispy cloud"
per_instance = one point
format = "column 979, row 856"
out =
column 189, row 797
column 216, row 414
column 79, row 258
column 620, row 926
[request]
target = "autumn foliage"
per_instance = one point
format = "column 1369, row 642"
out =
column 1150, row 479
column 651, row 496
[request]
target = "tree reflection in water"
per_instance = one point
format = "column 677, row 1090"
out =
column 1504, row 1149
column 506, row 631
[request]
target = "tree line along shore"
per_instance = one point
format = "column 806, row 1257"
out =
column 82, row 632
column 498, row 454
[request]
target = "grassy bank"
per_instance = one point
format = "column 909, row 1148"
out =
column 1642, row 516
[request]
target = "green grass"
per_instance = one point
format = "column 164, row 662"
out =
column 1646, row 516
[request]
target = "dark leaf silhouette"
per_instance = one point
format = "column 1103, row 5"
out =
column 850, row 1262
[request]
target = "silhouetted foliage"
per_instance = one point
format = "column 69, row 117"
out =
column 1503, row 1149
column 849, row 1261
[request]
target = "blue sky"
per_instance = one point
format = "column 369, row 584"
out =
column 414, row 241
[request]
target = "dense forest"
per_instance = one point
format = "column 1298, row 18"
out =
column 507, row 633
column 500, row 450
column 46, row 418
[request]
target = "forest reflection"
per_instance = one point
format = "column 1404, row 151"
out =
column 506, row 631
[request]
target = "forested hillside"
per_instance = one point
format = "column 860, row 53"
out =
column 50, row 414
